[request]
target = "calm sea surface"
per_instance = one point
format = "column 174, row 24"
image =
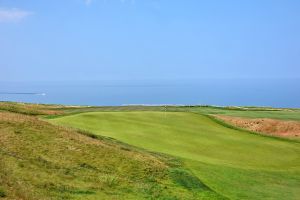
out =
column 223, row 92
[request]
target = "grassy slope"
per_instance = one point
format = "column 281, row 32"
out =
column 42, row 161
column 234, row 163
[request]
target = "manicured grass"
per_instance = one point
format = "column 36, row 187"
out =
column 41, row 161
column 236, row 164
column 282, row 114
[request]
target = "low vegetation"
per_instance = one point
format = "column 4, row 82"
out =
column 249, row 112
column 30, row 109
column 233, row 162
column 280, row 128
column 177, row 152
column 42, row 161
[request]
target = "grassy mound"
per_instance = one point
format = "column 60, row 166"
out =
column 235, row 163
column 42, row 161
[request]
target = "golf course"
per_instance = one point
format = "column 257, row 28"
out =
column 235, row 163
column 145, row 152
column 149, row 100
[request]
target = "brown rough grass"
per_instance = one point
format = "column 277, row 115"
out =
column 30, row 109
column 264, row 125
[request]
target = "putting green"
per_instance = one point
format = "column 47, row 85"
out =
column 236, row 164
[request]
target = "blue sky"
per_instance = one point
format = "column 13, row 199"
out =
column 148, row 39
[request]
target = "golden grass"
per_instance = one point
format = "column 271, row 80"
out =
column 273, row 127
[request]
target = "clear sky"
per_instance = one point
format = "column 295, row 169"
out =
column 148, row 39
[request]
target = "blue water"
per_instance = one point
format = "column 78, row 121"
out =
column 223, row 92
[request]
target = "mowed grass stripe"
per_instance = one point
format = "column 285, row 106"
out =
column 220, row 156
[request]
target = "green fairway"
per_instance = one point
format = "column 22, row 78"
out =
column 282, row 114
column 234, row 163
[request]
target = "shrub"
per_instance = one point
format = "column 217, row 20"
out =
column 2, row 193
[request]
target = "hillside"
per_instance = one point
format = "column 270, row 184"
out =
column 177, row 152
column 235, row 163
column 42, row 161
